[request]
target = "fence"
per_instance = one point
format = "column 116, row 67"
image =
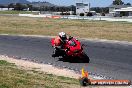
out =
column 100, row 18
column 94, row 18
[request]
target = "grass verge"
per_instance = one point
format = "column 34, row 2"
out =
column 82, row 28
column 13, row 77
column 17, row 12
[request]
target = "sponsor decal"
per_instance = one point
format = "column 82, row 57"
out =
column 56, row 17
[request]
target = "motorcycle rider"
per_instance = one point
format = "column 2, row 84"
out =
column 59, row 41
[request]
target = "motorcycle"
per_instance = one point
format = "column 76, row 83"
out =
column 71, row 49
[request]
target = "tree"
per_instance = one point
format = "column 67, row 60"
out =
column 2, row 6
column 19, row 7
column 30, row 7
column 97, row 9
column 73, row 8
column 128, row 4
column 11, row 5
column 118, row 2
column 100, row 9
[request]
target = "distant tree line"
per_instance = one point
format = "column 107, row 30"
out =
column 17, row 6
column 57, row 8
column 100, row 9
column 21, row 7
column 120, row 2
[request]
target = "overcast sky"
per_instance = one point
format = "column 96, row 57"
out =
column 94, row 3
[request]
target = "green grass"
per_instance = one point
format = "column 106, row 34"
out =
column 17, row 12
column 79, row 28
column 4, row 63
column 13, row 77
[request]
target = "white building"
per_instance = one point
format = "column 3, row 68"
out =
column 120, row 10
column 6, row 9
column 124, row 11
column 82, row 8
column 114, row 7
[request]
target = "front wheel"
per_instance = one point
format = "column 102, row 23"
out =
column 85, row 58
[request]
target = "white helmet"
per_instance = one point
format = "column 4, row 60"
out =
column 62, row 35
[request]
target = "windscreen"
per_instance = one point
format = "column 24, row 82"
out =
column 72, row 43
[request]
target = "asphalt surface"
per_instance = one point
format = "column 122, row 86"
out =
column 109, row 60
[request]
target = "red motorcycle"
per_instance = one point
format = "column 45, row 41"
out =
column 71, row 49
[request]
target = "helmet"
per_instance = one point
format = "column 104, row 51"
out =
column 62, row 35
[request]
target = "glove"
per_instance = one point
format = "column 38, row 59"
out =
column 70, row 37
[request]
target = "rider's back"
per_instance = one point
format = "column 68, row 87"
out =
column 57, row 41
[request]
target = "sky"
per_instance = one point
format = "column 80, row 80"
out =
column 94, row 3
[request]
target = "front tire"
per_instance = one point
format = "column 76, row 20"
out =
column 86, row 58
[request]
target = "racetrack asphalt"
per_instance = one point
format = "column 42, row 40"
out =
column 106, row 59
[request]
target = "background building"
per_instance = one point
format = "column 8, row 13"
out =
column 123, row 12
column 120, row 10
column 82, row 8
column 114, row 7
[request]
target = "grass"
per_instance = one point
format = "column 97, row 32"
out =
column 17, row 12
column 13, row 77
column 79, row 28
